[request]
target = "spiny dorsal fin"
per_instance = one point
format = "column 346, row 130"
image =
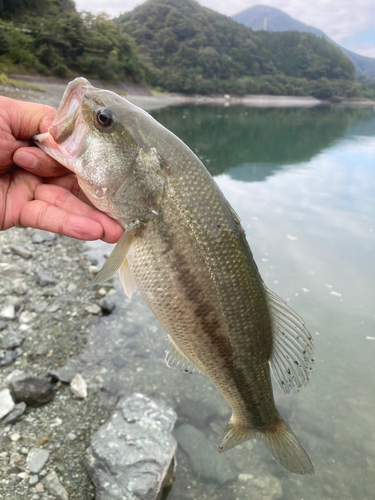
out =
column 126, row 279
column 178, row 361
column 119, row 253
column 293, row 353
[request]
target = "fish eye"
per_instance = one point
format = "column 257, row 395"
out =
column 104, row 118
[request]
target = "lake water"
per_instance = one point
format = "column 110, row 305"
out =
column 303, row 183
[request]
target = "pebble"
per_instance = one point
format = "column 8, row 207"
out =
column 36, row 459
column 64, row 374
column 12, row 339
column 15, row 437
column 10, row 269
column 107, row 305
column 33, row 391
column 7, row 357
column 72, row 287
column 21, row 251
column 93, row 309
column 3, row 324
column 53, row 308
column 19, row 286
column 8, row 312
column 53, row 485
column 33, row 480
column 43, row 279
column 15, row 414
column 39, row 488
column 27, row 317
column 40, row 307
column 78, row 386
column 93, row 269
column 71, row 436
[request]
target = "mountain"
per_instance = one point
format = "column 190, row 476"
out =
column 262, row 17
column 193, row 49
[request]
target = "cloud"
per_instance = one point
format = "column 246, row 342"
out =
column 338, row 20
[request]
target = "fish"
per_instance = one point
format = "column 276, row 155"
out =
column 184, row 248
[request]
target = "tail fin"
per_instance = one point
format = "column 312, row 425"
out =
column 286, row 450
column 280, row 441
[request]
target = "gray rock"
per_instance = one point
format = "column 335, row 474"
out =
column 203, row 455
column 10, row 269
column 71, row 436
column 19, row 286
column 21, row 251
column 43, row 279
column 130, row 455
column 36, row 459
column 7, row 357
column 33, row 391
column 33, row 480
column 15, row 414
column 40, row 307
column 12, row 339
column 53, row 486
column 6, row 403
column 40, row 236
column 3, row 324
column 64, row 374
column 107, row 305
column 8, row 312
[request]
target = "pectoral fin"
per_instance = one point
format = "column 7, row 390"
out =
column 126, row 279
column 119, row 253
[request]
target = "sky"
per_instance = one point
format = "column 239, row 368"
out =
column 351, row 23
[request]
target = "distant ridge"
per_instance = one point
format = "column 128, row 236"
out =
column 262, row 17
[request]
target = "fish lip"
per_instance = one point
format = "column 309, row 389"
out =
column 69, row 110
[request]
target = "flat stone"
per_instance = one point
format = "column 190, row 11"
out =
column 203, row 455
column 15, row 414
column 21, row 251
column 6, row 403
column 64, row 374
column 93, row 309
column 53, row 308
column 12, row 339
column 131, row 454
column 10, row 269
column 8, row 312
column 3, row 324
column 31, row 390
column 43, row 279
column 36, row 459
column 107, row 305
column 40, row 307
column 19, row 286
column 78, row 386
column 53, row 486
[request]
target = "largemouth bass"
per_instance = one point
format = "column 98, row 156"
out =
column 184, row 248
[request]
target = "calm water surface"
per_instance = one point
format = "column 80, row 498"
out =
column 303, row 183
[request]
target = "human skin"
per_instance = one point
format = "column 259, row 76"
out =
column 35, row 190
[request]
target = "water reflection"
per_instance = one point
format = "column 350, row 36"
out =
column 234, row 137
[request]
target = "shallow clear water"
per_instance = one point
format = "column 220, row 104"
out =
column 303, row 183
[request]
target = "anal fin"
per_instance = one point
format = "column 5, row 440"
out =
column 177, row 360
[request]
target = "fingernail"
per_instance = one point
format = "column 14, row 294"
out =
column 25, row 160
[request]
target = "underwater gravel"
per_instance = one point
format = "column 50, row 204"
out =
column 51, row 323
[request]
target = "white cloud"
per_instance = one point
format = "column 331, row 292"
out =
column 338, row 19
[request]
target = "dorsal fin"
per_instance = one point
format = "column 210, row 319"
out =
column 177, row 360
column 293, row 353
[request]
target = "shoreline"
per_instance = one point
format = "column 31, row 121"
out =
column 140, row 95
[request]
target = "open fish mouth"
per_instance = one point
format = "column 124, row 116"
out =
column 64, row 138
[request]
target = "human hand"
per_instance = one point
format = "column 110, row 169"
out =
column 42, row 193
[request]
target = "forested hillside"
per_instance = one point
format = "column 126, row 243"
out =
column 193, row 49
column 51, row 37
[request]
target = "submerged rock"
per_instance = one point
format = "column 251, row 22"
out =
column 203, row 455
column 33, row 391
column 12, row 339
column 131, row 454
column 263, row 487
